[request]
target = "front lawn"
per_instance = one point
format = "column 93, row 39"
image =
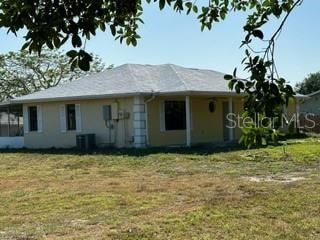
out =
column 191, row 194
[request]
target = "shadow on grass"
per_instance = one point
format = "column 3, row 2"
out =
column 197, row 150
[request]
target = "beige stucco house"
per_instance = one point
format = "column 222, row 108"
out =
column 132, row 106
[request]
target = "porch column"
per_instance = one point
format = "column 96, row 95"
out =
column 188, row 121
column 231, row 130
column 139, row 122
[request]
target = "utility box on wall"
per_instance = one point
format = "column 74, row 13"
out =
column 112, row 112
column 123, row 115
column 106, row 112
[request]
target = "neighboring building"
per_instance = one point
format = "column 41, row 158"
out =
column 311, row 104
column 133, row 106
column 310, row 111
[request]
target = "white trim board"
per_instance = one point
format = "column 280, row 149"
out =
column 11, row 142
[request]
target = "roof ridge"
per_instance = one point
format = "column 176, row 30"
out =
column 177, row 74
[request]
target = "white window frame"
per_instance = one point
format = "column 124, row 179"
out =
column 26, row 120
column 63, row 118
column 163, row 118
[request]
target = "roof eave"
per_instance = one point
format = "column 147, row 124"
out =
column 314, row 93
column 123, row 95
column 6, row 103
column 197, row 93
column 92, row 97
column 75, row 98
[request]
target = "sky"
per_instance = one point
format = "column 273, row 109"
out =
column 170, row 37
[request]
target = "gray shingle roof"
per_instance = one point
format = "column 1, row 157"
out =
column 314, row 93
column 133, row 79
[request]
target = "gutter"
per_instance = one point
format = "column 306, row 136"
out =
column 131, row 94
column 73, row 98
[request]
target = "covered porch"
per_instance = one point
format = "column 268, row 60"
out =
column 192, row 120
column 11, row 126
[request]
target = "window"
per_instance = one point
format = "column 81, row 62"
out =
column 71, row 117
column 33, row 119
column 175, row 115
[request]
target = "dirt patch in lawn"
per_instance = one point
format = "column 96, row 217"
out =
column 277, row 179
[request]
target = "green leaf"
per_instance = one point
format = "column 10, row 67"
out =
column 113, row 30
column 49, row 45
column 237, row 88
column 162, row 3
column 128, row 40
column 235, row 73
column 195, row 9
column 134, row 42
column 241, row 85
column 248, row 28
column 228, row 77
column 56, row 41
column 249, row 84
column 188, row 5
column 258, row 33
column 72, row 54
column 232, row 83
column 102, row 27
column 76, row 41
column 64, row 40
column 84, row 64
column 25, row 46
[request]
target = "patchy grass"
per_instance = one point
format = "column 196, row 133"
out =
column 152, row 194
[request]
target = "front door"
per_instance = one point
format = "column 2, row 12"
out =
column 225, row 122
